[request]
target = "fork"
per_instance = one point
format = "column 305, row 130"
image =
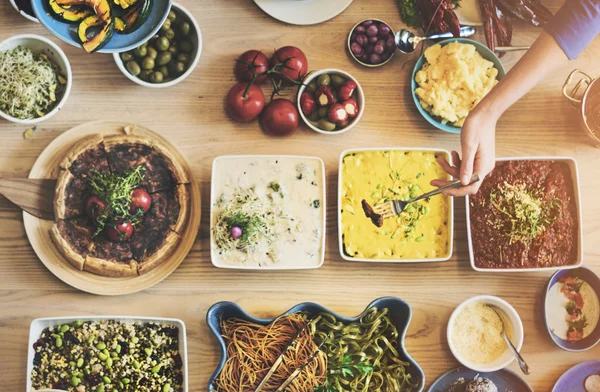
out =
column 522, row 364
column 391, row 208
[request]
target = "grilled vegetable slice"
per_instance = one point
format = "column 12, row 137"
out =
column 101, row 38
column 119, row 25
column 101, row 7
column 69, row 15
column 125, row 3
column 136, row 15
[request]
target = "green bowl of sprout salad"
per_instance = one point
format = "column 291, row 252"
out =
column 35, row 79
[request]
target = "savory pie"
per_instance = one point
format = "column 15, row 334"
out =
column 89, row 235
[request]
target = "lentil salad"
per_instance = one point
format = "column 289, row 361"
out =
column 108, row 356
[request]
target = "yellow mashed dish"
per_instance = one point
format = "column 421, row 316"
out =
column 422, row 231
column 453, row 81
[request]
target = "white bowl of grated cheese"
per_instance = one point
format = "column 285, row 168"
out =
column 474, row 333
column 38, row 45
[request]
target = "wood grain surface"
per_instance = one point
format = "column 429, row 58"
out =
column 191, row 115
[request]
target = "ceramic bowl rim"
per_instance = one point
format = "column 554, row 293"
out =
column 555, row 339
column 511, row 314
column 482, row 49
column 349, row 43
column 183, row 76
column 361, row 99
column 48, row 44
column 214, row 309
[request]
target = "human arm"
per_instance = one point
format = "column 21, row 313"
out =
column 573, row 28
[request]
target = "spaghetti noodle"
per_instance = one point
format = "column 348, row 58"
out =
column 252, row 349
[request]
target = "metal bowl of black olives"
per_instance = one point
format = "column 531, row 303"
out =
column 169, row 56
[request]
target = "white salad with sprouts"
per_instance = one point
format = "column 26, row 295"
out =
column 30, row 84
column 268, row 212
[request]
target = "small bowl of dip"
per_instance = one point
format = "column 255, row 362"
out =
column 474, row 333
column 572, row 309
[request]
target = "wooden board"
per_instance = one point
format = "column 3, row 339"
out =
column 191, row 115
column 47, row 166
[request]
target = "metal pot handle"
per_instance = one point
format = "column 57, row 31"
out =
column 584, row 78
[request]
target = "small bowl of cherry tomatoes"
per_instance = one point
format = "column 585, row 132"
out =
column 331, row 101
column 371, row 43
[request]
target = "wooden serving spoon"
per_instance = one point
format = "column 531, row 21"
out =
column 34, row 196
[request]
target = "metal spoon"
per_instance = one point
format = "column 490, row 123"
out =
column 407, row 41
column 510, row 48
column 522, row 364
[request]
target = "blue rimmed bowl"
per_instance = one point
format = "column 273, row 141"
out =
column 483, row 51
column 399, row 312
column 118, row 42
column 550, row 307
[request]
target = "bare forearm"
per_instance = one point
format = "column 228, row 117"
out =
column 544, row 57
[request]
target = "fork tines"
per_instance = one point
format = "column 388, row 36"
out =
column 387, row 209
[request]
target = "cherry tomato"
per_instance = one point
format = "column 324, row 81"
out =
column 140, row 199
column 280, row 118
column 245, row 109
column 296, row 64
column 243, row 69
column 95, row 207
column 119, row 230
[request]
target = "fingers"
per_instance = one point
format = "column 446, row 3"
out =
column 468, row 161
column 452, row 170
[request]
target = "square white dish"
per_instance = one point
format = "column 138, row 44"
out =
column 339, row 210
column 39, row 324
column 575, row 177
column 219, row 179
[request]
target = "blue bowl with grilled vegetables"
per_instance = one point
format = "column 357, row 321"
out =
column 312, row 348
column 105, row 26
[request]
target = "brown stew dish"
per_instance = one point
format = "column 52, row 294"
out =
column 121, row 205
column 525, row 216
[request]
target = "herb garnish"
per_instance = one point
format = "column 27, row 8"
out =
column 522, row 213
column 316, row 203
column 251, row 225
column 275, row 186
column 115, row 190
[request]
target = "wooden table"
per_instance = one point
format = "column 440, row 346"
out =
column 192, row 116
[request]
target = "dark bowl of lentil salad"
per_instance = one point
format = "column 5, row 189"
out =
column 107, row 354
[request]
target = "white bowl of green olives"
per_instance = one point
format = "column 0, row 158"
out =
column 330, row 101
column 169, row 56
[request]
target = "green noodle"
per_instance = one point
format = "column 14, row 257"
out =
column 362, row 355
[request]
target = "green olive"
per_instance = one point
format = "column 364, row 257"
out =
column 152, row 53
column 140, row 51
column 166, row 25
column 172, row 49
column 145, row 74
column 184, row 28
column 148, row 63
column 324, row 80
column 183, row 57
column 342, row 125
column 323, row 112
column 133, row 67
column 179, row 67
column 156, row 77
column 186, row 46
column 170, row 34
column 312, row 86
column 162, row 44
column 164, row 70
column 337, row 80
column 172, row 15
column 126, row 56
column 326, row 125
column 163, row 58
column 314, row 116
